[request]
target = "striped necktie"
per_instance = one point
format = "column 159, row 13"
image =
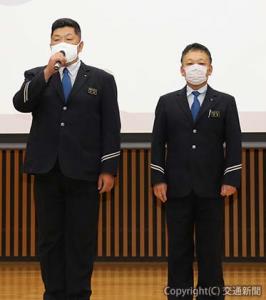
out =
column 66, row 82
column 195, row 105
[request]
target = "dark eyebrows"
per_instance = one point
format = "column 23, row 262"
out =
column 60, row 36
column 200, row 59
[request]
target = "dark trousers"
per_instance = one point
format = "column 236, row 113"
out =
column 204, row 217
column 67, row 216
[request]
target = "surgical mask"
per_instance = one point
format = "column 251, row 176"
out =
column 196, row 74
column 70, row 50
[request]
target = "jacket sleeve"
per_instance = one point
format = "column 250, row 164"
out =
column 233, row 165
column 158, row 145
column 28, row 97
column 110, row 120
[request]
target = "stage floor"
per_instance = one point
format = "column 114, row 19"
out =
column 128, row 281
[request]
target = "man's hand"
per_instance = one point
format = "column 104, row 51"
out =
column 160, row 191
column 49, row 70
column 227, row 190
column 105, row 182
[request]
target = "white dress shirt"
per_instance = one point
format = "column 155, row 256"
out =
column 201, row 97
column 73, row 71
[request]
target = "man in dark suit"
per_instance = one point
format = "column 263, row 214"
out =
column 192, row 172
column 73, row 149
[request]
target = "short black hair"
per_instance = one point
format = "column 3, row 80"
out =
column 196, row 46
column 66, row 22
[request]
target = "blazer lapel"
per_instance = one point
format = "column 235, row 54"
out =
column 57, row 84
column 208, row 102
column 82, row 77
column 183, row 103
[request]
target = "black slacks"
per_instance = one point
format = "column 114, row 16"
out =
column 204, row 217
column 67, row 217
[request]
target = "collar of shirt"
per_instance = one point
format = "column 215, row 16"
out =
column 201, row 97
column 73, row 71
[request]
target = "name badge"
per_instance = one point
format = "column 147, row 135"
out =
column 92, row 91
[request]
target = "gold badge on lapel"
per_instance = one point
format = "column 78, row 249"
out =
column 92, row 91
column 214, row 114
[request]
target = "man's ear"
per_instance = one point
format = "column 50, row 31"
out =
column 80, row 47
column 209, row 71
column 182, row 71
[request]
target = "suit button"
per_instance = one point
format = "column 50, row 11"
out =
column 64, row 107
column 195, row 131
column 62, row 124
column 194, row 146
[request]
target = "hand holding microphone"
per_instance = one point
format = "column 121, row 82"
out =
column 58, row 64
column 56, row 61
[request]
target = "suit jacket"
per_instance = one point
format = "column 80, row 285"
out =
column 190, row 156
column 83, row 134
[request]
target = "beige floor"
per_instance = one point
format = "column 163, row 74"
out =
column 123, row 281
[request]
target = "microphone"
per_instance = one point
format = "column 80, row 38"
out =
column 57, row 65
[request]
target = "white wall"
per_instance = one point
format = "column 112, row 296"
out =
column 140, row 42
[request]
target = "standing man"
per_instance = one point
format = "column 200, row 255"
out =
column 73, row 149
column 194, row 173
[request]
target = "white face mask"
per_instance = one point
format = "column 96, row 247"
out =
column 71, row 51
column 196, row 74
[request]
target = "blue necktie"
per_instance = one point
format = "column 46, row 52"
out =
column 195, row 105
column 66, row 82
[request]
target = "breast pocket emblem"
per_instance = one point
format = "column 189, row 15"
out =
column 214, row 114
column 92, row 91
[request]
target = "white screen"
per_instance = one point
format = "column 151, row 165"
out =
column 140, row 43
